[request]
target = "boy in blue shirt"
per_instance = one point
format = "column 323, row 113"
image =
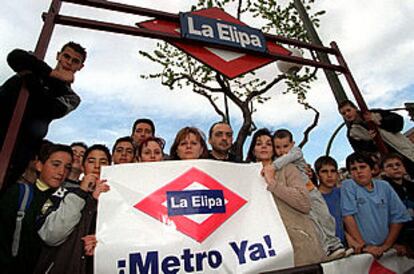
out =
column 373, row 213
column 327, row 171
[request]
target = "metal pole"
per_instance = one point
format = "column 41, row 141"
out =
column 16, row 120
column 333, row 80
column 359, row 99
column 160, row 15
column 171, row 38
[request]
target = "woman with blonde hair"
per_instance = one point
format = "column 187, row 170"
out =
column 189, row 144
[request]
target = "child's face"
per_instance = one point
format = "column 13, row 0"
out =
column 361, row 173
column 78, row 152
column 93, row 162
column 282, row 145
column 55, row 170
column 328, row 176
column 69, row 60
column 123, row 153
column 394, row 169
column 349, row 113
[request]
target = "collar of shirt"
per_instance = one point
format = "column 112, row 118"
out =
column 41, row 186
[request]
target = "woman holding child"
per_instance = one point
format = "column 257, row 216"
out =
column 291, row 197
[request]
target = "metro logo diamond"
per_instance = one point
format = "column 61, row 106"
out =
column 155, row 205
column 229, row 63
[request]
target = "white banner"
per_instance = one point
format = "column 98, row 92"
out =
column 197, row 216
column 389, row 263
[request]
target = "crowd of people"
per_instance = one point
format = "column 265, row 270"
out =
column 48, row 211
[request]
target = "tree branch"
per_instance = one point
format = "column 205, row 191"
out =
column 266, row 88
column 239, row 9
column 309, row 76
column 226, row 90
column 172, row 81
column 310, row 127
column 202, row 86
column 210, row 99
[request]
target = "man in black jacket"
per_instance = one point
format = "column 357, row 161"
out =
column 50, row 97
column 220, row 137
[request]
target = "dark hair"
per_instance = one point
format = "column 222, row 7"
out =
column 283, row 133
column 100, row 147
column 260, row 132
column 79, row 144
column 181, row 135
column 390, row 156
column 76, row 47
column 210, row 131
column 325, row 160
column 48, row 148
column 358, row 158
column 124, row 139
column 158, row 140
column 346, row 103
column 43, row 145
column 144, row 121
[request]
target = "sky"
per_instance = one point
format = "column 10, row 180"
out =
column 375, row 37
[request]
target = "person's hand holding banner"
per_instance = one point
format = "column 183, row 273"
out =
column 100, row 187
column 89, row 243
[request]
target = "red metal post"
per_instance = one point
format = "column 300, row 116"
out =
column 358, row 97
column 14, row 126
column 134, row 31
column 53, row 17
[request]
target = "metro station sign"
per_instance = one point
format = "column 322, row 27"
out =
column 216, row 26
column 205, row 29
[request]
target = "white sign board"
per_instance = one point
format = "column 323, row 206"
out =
column 198, row 216
column 389, row 263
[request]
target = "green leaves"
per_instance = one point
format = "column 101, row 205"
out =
column 279, row 19
column 179, row 70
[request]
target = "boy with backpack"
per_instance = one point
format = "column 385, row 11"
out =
column 21, row 203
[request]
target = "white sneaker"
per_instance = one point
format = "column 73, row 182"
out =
column 349, row 252
column 335, row 254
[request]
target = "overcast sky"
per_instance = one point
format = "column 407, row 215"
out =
column 375, row 37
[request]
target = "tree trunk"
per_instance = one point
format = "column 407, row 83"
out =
column 244, row 131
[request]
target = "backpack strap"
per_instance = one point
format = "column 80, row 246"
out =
column 25, row 197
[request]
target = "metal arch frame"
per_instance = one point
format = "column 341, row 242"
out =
column 52, row 17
